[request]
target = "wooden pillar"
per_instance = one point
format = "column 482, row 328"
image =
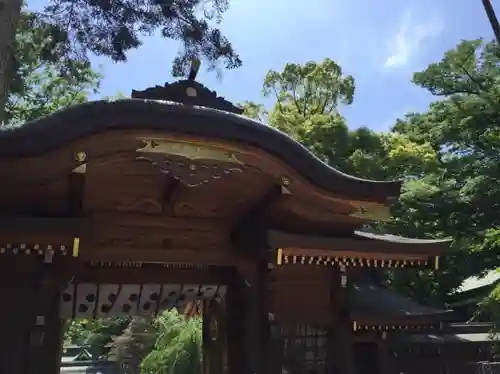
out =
column 250, row 235
column 45, row 326
column 237, row 316
column 214, row 337
column 383, row 356
column 14, row 321
column 265, row 264
column 30, row 329
column 254, row 314
column 252, row 326
column 341, row 333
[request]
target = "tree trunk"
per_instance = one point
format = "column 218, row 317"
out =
column 492, row 17
column 10, row 11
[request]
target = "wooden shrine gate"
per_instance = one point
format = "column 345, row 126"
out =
column 134, row 206
column 48, row 292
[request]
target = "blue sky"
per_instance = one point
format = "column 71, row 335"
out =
column 381, row 43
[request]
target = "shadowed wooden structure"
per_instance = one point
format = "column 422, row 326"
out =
column 173, row 199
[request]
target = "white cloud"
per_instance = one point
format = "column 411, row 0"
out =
column 409, row 37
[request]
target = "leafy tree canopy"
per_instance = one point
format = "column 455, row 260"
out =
column 39, row 87
column 460, row 198
column 111, row 28
column 447, row 156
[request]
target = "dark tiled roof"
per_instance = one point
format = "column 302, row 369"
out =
column 90, row 367
column 448, row 338
column 400, row 239
column 369, row 298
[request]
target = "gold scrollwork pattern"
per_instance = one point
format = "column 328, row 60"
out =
column 191, row 163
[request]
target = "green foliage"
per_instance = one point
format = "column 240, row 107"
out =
column 110, row 29
column 169, row 344
column 178, row 345
column 460, row 197
column 41, row 83
column 133, row 345
column 98, row 334
column 312, row 88
column 447, row 156
column 306, row 108
column 254, row 111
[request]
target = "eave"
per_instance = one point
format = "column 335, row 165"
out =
column 158, row 118
column 374, row 307
column 360, row 249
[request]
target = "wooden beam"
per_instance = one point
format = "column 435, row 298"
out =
column 76, row 194
column 249, row 231
column 200, row 256
column 159, row 222
column 170, row 185
column 152, row 274
column 139, row 273
column 278, row 239
column 20, row 229
column 71, row 268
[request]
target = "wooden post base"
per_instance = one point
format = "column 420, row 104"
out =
column 30, row 328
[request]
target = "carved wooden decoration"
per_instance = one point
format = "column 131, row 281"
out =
column 148, row 303
column 187, row 92
column 357, row 261
column 414, row 327
column 291, row 256
column 87, row 300
column 46, row 251
column 190, row 163
column 117, row 299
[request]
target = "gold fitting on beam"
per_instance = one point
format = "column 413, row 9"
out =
column 80, row 156
column 436, row 263
column 279, row 256
column 76, row 246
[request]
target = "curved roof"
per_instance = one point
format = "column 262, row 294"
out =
column 389, row 238
column 52, row 132
column 475, row 282
column 359, row 242
column 369, row 297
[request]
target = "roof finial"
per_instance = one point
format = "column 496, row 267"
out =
column 193, row 71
